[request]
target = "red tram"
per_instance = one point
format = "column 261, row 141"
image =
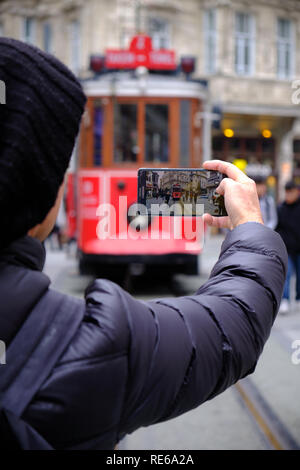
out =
column 176, row 192
column 132, row 120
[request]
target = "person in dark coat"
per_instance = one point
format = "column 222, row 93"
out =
column 95, row 369
column 289, row 228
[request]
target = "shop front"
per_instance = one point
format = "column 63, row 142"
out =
column 262, row 144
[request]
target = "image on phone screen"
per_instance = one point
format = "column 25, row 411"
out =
column 180, row 191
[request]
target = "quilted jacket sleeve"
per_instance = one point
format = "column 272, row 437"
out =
column 183, row 351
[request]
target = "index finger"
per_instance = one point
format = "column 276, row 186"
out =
column 227, row 168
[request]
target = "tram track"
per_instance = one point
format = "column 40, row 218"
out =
column 273, row 429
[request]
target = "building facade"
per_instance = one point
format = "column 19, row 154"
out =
column 248, row 51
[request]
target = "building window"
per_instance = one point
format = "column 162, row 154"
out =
column 159, row 30
column 210, row 41
column 125, row 38
column 47, row 37
column 75, row 46
column 253, row 149
column 29, row 30
column 284, row 48
column 244, row 43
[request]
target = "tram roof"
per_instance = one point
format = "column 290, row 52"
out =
column 129, row 84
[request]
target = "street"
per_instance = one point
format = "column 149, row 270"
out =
column 262, row 412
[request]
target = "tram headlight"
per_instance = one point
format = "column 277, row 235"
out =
column 137, row 217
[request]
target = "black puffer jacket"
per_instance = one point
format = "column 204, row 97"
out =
column 133, row 363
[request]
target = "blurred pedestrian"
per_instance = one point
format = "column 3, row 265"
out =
column 266, row 201
column 167, row 196
column 289, row 229
column 83, row 373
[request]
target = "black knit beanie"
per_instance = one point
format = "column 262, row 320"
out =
column 38, row 127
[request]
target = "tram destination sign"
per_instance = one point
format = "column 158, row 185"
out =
column 140, row 53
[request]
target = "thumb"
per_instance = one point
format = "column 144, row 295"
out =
column 219, row 222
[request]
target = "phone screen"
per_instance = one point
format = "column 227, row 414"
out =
column 180, row 191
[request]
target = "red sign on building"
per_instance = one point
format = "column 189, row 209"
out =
column 140, row 53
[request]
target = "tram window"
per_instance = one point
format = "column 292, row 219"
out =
column 185, row 127
column 125, row 133
column 157, row 133
column 98, row 132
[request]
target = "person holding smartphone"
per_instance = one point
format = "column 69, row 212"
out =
column 83, row 373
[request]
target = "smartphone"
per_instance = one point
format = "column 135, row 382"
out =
column 180, row 191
